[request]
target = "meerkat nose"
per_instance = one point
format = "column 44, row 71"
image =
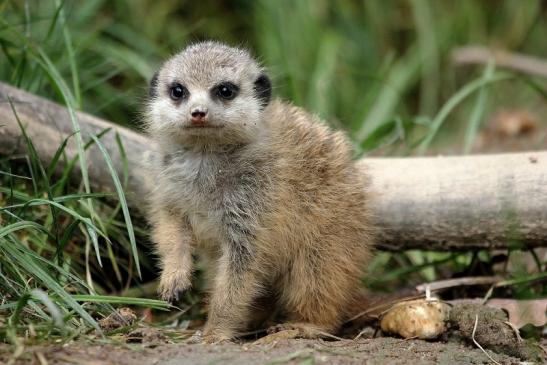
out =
column 198, row 115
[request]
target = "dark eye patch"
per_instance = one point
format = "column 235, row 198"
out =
column 263, row 89
column 152, row 90
column 178, row 92
column 225, row 91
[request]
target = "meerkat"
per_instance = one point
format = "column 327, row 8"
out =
column 263, row 191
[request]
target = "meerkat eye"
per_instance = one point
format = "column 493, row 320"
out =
column 226, row 91
column 178, row 92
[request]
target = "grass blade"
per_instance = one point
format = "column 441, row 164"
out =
column 403, row 74
column 454, row 101
column 427, row 43
column 52, row 308
column 4, row 231
column 478, row 110
column 112, row 299
column 70, row 54
column 37, row 271
column 123, row 202
column 61, row 199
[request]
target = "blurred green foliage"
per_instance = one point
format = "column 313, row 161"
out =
column 358, row 64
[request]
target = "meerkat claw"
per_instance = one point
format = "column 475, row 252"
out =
column 178, row 295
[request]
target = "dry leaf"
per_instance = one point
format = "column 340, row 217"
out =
column 522, row 312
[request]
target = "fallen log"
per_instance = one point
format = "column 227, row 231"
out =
column 433, row 203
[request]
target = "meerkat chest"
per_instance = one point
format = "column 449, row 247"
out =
column 197, row 186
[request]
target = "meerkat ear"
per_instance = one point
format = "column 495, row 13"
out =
column 263, row 89
column 153, row 88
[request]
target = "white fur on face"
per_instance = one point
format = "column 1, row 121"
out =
column 200, row 69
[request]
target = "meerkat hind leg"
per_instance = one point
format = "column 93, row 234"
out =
column 231, row 301
column 313, row 306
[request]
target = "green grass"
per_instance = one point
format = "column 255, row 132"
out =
column 39, row 248
column 381, row 71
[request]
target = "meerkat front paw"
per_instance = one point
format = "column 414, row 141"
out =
column 173, row 283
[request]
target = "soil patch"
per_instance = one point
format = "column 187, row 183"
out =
column 384, row 350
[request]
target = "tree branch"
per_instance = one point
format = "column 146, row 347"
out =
column 514, row 61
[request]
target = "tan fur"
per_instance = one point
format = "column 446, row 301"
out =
column 280, row 213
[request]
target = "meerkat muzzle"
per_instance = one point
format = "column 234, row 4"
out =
column 199, row 116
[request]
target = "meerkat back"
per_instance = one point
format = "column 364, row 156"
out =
column 263, row 190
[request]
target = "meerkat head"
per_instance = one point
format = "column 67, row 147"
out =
column 208, row 94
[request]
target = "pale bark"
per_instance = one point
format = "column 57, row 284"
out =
column 470, row 55
column 436, row 203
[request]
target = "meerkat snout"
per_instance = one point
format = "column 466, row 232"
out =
column 199, row 115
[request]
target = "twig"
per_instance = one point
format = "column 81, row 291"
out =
column 488, row 294
column 328, row 335
column 513, row 61
column 383, row 305
column 450, row 283
column 41, row 358
column 476, row 343
column 19, row 350
column 515, row 329
column 360, row 334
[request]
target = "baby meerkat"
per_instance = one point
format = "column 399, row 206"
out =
column 262, row 190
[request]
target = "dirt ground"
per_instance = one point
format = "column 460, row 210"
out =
column 364, row 351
